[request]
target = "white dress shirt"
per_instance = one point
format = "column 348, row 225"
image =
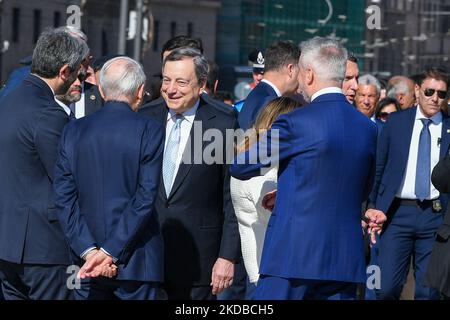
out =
column 407, row 188
column 186, row 126
column 326, row 91
column 274, row 87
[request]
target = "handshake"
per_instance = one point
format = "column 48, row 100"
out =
column 98, row 263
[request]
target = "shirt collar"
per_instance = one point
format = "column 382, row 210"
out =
column 188, row 115
column 66, row 108
column 436, row 119
column 326, row 91
column 273, row 87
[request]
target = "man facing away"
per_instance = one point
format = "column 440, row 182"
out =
column 313, row 246
column 106, row 179
column 33, row 252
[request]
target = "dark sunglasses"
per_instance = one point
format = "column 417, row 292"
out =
column 430, row 92
column 82, row 76
column 384, row 115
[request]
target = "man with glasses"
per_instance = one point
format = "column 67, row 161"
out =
column 410, row 145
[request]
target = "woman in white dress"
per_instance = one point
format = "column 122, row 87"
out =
column 247, row 195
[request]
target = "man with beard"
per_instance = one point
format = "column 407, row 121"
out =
column 33, row 252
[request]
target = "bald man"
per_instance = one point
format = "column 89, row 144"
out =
column 402, row 89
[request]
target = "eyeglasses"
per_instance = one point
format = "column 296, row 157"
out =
column 384, row 115
column 430, row 92
column 82, row 76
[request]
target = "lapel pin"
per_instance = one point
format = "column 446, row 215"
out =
column 93, row 98
column 448, row 130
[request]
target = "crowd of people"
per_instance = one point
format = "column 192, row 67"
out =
column 98, row 173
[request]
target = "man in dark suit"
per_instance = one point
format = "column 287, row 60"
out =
column 201, row 238
column 313, row 248
column 33, row 252
column 280, row 78
column 410, row 145
column 106, row 181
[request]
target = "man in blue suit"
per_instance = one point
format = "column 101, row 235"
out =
column 410, row 145
column 280, row 78
column 33, row 252
column 325, row 151
column 106, row 179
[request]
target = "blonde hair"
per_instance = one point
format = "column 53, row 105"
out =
column 265, row 119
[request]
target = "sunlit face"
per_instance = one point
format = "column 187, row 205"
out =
column 180, row 88
column 366, row 99
column 257, row 77
column 430, row 105
column 350, row 84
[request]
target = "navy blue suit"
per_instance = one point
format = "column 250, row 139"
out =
column 31, row 123
column 258, row 98
column 197, row 218
column 409, row 228
column 106, row 181
column 314, row 237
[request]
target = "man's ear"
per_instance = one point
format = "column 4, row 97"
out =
column 140, row 92
column 101, row 92
column 310, row 76
column 417, row 91
column 64, row 72
column 216, row 84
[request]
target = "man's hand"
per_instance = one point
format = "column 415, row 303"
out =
column 93, row 266
column 222, row 275
column 268, row 202
column 109, row 271
column 376, row 220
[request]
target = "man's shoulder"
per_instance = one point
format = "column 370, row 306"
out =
column 219, row 105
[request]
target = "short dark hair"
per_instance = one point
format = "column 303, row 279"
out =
column 434, row 73
column 213, row 75
column 352, row 57
column 281, row 53
column 383, row 103
column 223, row 95
column 180, row 42
column 54, row 49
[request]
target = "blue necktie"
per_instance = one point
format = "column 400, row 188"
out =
column 170, row 154
column 422, row 187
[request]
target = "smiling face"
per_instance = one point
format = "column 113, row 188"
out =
column 180, row 86
column 430, row 105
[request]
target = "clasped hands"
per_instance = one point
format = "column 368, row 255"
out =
column 375, row 220
column 98, row 263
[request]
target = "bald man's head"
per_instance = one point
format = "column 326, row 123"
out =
column 122, row 79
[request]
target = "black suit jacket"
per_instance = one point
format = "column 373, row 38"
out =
column 197, row 219
column 438, row 271
column 92, row 99
column 31, row 123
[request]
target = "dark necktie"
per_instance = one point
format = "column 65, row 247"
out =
column 422, row 187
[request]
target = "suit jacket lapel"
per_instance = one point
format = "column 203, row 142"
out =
column 445, row 137
column 204, row 115
column 92, row 98
column 407, row 131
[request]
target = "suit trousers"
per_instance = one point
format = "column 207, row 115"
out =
column 34, row 282
column 410, row 231
column 102, row 288
column 277, row 288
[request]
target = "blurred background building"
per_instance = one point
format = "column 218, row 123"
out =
column 413, row 34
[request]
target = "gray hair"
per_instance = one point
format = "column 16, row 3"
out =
column 400, row 86
column 121, row 83
column 200, row 62
column 327, row 57
column 54, row 49
column 370, row 80
column 74, row 32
